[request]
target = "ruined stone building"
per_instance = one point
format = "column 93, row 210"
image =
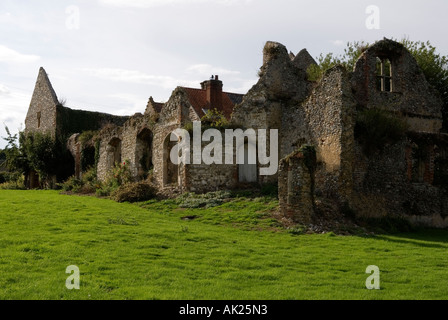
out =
column 324, row 148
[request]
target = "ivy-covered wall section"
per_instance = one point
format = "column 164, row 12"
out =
column 71, row 121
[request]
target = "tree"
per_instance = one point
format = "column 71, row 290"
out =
column 435, row 68
column 15, row 157
column 47, row 155
column 325, row 62
column 40, row 152
column 214, row 119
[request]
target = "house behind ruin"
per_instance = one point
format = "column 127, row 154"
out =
column 325, row 141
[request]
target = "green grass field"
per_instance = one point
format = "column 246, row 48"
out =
column 232, row 251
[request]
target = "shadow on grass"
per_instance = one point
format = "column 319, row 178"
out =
column 428, row 238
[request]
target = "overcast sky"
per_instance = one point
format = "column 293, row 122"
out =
column 112, row 55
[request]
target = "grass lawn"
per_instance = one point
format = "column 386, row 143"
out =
column 232, row 251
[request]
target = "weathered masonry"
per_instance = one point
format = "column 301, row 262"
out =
column 326, row 146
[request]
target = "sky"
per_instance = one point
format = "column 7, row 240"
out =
column 112, row 55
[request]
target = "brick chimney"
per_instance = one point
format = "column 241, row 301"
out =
column 213, row 88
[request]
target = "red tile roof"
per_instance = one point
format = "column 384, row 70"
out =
column 198, row 99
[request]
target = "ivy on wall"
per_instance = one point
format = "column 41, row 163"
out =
column 77, row 121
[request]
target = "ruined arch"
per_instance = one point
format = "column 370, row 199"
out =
column 87, row 157
column 384, row 74
column 143, row 153
column 113, row 152
column 170, row 170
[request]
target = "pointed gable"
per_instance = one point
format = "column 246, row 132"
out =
column 41, row 114
column 44, row 88
column 303, row 60
column 153, row 107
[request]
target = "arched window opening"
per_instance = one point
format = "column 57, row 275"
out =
column 384, row 75
column 39, row 116
column 114, row 152
column 144, row 153
column 170, row 170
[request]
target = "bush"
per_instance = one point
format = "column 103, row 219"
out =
column 270, row 190
column 87, row 136
column 376, row 128
column 90, row 178
column 16, row 184
column 120, row 176
column 134, row 192
column 2, row 177
column 297, row 231
column 87, row 185
column 106, row 190
column 73, row 184
column 12, row 186
column 122, row 173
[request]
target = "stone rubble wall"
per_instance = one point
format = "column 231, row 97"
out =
column 329, row 120
column 296, row 189
column 392, row 182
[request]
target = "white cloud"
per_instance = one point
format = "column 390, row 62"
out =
column 158, row 3
column 132, row 102
column 124, row 75
column 10, row 55
column 4, row 90
column 338, row 43
column 208, row 70
column 136, row 77
column 241, row 86
column 14, row 106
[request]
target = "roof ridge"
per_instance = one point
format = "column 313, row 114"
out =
column 198, row 89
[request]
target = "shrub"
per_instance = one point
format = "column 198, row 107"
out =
column 119, row 176
column 134, row 192
column 297, row 231
column 214, row 119
column 73, row 184
column 15, row 184
column 87, row 136
column 2, row 177
column 270, row 190
column 376, row 128
column 315, row 71
column 87, row 185
column 121, row 173
column 105, row 190
column 90, row 178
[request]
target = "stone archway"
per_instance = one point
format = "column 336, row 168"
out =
column 143, row 153
column 170, row 170
column 114, row 152
column 88, row 158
